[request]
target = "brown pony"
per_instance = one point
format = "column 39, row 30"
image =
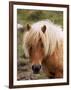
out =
column 43, row 44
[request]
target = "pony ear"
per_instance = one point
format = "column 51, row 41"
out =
column 43, row 28
column 28, row 27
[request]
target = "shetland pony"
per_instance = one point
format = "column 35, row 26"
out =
column 43, row 45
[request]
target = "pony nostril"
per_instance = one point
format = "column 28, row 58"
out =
column 36, row 68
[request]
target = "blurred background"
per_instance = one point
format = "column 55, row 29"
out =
column 24, row 71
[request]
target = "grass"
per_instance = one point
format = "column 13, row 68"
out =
column 31, row 16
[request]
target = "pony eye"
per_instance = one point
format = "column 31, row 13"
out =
column 30, row 48
column 42, row 45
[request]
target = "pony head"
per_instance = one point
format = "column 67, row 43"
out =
column 34, row 45
column 39, row 41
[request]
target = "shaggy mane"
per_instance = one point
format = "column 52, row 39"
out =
column 52, row 36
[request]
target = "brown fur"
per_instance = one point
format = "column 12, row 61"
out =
column 53, row 66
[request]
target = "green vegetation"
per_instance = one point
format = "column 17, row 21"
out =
column 30, row 16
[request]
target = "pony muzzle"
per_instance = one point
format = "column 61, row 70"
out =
column 36, row 68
